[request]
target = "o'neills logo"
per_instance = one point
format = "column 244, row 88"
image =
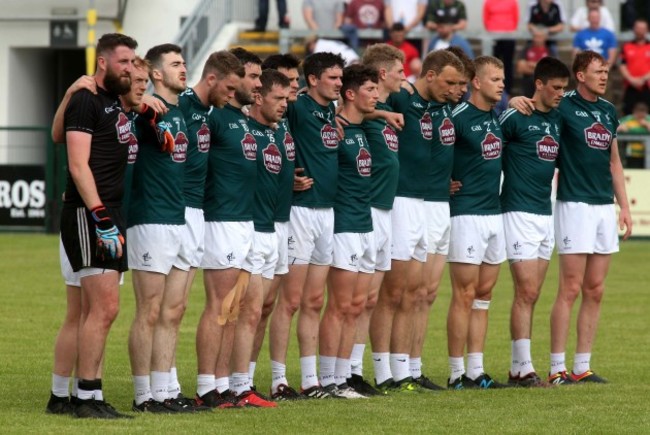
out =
column 180, row 149
column 330, row 136
column 491, row 147
column 447, row 132
column 426, row 126
column 123, row 128
column 203, row 138
column 547, row 149
column 391, row 138
column 289, row 147
column 133, row 149
column 272, row 158
column 249, row 147
column 364, row 162
column 598, row 137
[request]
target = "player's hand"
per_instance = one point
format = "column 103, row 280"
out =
column 301, row 183
column 340, row 123
column 523, row 105
column 83, row 82
column 155, row 103
column 407, row 86
column 109, row 239
column 625, row 222
column 454, row 186
column 395, row 120
column 159, row 127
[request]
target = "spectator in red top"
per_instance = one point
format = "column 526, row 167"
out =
column 362, row 14
column 635, row 67
column 534, row 51
column 502, row 16
column 397, row 38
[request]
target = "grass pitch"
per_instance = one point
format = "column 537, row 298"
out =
column 33, row 304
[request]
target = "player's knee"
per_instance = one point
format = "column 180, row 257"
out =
column 527, row 295
column 594, row 293
column 267, row 309
column 371, row 302
column 313, row 303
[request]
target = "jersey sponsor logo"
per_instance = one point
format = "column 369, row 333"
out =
column 249, row 147
column 447, row 132
column 426, row 126
column 364, row 162
column 417, row 105
column 390, row 137
column 491, row 147
column 203, row 138
column 330, row 136
column 477, row 128
column 272, row 158
column 320, row 115
column 582, row 114
column 547, row 149
column 133, row 149
column 123, row 128
column 180, row 149
column 533, row 128
column 597, row 136
column 289, row 146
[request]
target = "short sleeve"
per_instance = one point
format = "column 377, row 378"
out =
column 81, row 113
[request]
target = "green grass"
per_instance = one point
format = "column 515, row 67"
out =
column 33, row 303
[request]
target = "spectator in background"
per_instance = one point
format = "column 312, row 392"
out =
column 397, row 38
column 546, row 16
column 453, row 10
column 410, row 13
column 635, row 67
column 502, row 16
column 416, row 69
column 580, row 20
column 314, row 44
column 362, row 14
column 535, row 50
column 446, row 37
column 596, row 38
column 323, row 14
column 636, row 123
column 263, row 15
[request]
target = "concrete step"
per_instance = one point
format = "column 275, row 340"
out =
column 259, row 36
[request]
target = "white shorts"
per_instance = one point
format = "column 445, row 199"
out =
column 438, row 227
column 227, row 244
column 383, row 231
column 282, row 233
column 477, row 239
column 264, row 255
column 194, row 237
column 585, row 229
column 409, row 222
column 69, row 276
column 310, row 235
column 529, row 236
column 355, row 252
column 157, row 248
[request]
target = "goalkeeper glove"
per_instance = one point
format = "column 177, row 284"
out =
column 160, row 128
column 109, row 239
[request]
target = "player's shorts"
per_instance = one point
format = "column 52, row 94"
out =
column 158, row 248
column 264, row 255
column 80, row 240
column 438, row 227
column 282, row 233
column 355, row 252
column 227, row 244
column 409, row 222
column 72, row 278
column 194, row 237
column 383, row 231
column 582, row 228
column 477, row 239
column 529, row 236
column 311, row 232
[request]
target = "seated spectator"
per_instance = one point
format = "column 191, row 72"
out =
column 534, row 51
column 397, row 38
column 415, row 66
column 410, row 13
column 446, row 36
column 444, row 10
column 635, row 67
column 362, row 14
column 636, row 123
column 314, row 44
column 323, row 14
column 596, row 38
column 502, row 16
column 546, row 16
column 580, row 20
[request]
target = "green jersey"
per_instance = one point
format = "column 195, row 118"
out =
column 232, row 167
column 477, row 161
column 198, row 132
column 352, row 207
column 269, row 167
column 130, row 162
column 442, row 153
column 316, row 150
column 531, row 145
column 414, row 143
column 288, row 150
column 584, row 162
column 384, row 147
column 157, row 189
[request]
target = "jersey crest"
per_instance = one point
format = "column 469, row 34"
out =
column 364, row 162
column 249, row 147
column 491, row 147
column 180, row 148
column 272, row 158
column 426, row 126
column 547, row 149
column 289, row 146
column 447, row 132
column 123, row 128
column 203, row 138
column 597, row 136
column 390, row 137
column 330, row 136
column 133, row 149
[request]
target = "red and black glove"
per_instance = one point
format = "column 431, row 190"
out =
column 160, row 128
